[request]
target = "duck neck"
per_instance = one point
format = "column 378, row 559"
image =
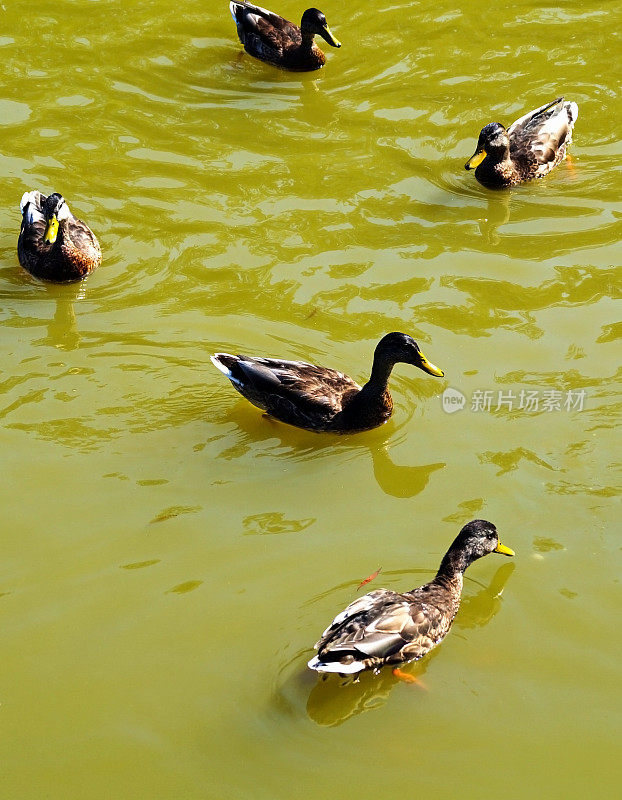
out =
column 307, row 40
column 497, row 160
column 452, row 567
column 379, row 378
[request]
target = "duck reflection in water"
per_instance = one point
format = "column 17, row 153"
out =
column 335, row 700
column 497, row 214
column 400, row 481
column 62, row 328
column 291, row 443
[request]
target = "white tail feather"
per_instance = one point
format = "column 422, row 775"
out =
column 29, row 204
column 335, row 666
column 27, row 197
column 215, row 359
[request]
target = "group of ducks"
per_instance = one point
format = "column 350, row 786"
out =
column 54, row 245
column 381, row 627
column 529, row 148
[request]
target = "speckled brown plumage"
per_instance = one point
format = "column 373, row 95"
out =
column 74, row 254
column 273, row 39
column 387, row 627
column 530, row 148
column 318, row 398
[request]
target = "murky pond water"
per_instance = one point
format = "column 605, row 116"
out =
column 169, row 556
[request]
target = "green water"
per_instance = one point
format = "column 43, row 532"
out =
column 169, row 556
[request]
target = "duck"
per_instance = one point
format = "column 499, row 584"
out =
column 269, row 37
column 384, row 627
column 318, row 398
column 530, row 148
column 53, row 245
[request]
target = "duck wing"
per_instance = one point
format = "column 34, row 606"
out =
column 263, row 31
column 381, row 626
column 80, row 237
column 296, row 386
column 541, row 136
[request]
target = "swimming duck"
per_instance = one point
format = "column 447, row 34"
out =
column 53, row 245
column 529, row 148
column 322, row 399
column 385, row 627
column 271, row 38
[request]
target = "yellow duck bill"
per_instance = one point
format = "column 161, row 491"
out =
column 51, row 231
column 430, row 368
column 476, row 159
column 505, row 551
column 330, row 38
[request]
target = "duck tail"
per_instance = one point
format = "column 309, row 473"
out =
column 27, row 197
column 237, row 7
column 30, row 206
column 335, row 666
column 550, row 105
column 224, row 362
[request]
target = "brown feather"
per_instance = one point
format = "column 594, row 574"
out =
column 386, row 627
column 271, row 38
column 74, row 254
column 537, row 143
column 319, row 398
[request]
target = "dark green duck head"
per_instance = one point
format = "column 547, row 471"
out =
column 493, row 143
column 395, row 348
column 478, row 538
column 314, row 22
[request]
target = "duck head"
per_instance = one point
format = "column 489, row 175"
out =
column 400, row 348
column 314, row 22
column 494, row 142
column 478, row 538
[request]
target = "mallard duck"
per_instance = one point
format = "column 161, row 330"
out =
column 322, row 399
column 271, row 38
column 385, row 627
column 53, row 245
column 529, row 148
